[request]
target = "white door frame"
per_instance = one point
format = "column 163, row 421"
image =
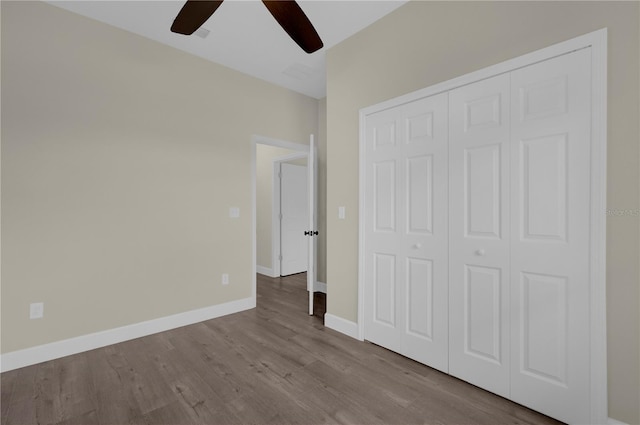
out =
column 597, row 41
column 276, row 240
column 255, row 141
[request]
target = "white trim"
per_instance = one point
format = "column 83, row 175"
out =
column 265, row 271
column 341, row 325
column 276, row 241
column 262, row 140
column 255, row 140
column 291, row 157
column 612, row 421
column 254, row 249
column 361, row 219
column 598, row 260
column 320, row 287
column 276, row 183
column 54, row 350
column 597, row 41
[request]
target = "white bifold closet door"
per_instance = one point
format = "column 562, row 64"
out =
column 550, row 228
column 405, row 262
column 519, row 235
column 479, row 233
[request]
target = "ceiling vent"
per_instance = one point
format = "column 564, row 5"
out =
column 202, row 32
column 298, row 71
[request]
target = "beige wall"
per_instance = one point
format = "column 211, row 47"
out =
column 120, row 160
column 423, row 43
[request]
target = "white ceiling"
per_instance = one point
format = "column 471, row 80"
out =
column 244, row 36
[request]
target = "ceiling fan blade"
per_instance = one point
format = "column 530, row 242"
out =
column 193, row 14
column 293, row 20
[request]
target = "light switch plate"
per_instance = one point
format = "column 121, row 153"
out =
column 234, row 212
column 341, row 213
column 36, row 310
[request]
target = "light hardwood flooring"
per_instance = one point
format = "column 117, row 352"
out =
column 271, row 365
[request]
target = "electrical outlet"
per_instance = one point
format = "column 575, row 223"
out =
column 36, row 310
column 225, row 278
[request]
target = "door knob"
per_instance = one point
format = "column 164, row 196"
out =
column 480, row 252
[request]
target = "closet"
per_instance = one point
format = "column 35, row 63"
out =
column 476, row 232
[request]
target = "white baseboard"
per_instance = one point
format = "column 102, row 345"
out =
column 265, row 271
column 341, row 325
column 54, row 350
column 612, row 421
column 320, row 287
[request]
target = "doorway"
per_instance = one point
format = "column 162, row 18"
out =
column 266, row 248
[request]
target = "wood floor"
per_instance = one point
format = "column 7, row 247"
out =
column 271, row 365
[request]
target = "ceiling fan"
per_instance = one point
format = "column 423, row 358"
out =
column 288, row 13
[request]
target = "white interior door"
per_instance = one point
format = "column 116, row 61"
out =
column 294, row 216
column 406, row 230
column 312, row 214
column 382, row 229
column 550, row 227
column 479, row 234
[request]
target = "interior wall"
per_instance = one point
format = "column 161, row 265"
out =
column 120, row 159
column 424, row 43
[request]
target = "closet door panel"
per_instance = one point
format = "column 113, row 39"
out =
column 383, row 263
column 424, row 248
column 420, row 194
column 482, row 191
column 550, row 236
column 406, row 273
column 482, row 321
column 479, row 234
